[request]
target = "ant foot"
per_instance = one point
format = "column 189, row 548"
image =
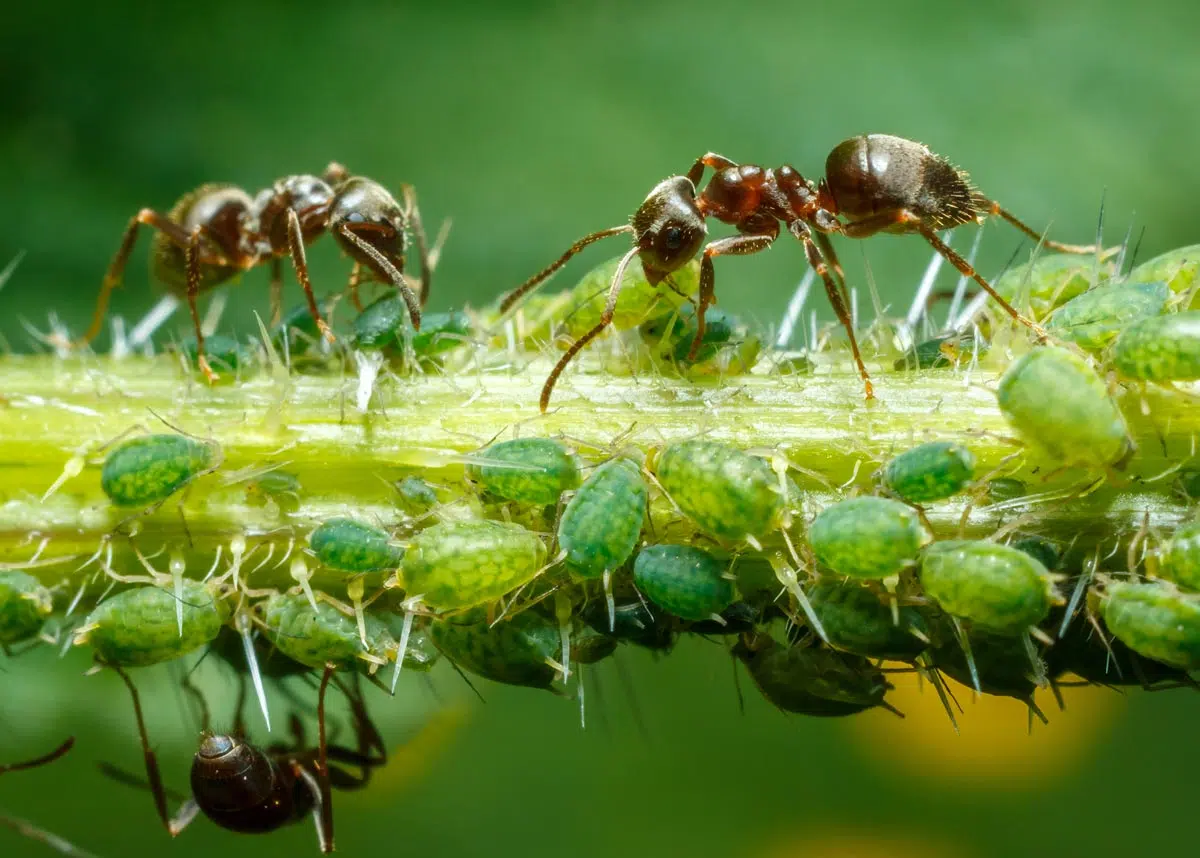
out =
column 326, row 332
column 209, row 376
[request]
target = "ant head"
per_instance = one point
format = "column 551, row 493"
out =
column 369, row 210
column 668, row 227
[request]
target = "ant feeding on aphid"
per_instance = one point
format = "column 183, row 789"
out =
column 217, row 231
column 254, row 790
column 873, row 183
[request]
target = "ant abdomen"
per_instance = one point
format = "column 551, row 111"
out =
column 220, row 209
column 241, row 789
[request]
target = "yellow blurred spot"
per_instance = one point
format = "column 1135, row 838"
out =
column 857, row 844
column 994, row 746
column 412, row 759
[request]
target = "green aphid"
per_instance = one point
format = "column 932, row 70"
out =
column 1095, row 318
column 149, row 469
column 997, row 587
column 462, row 564
column 527, row 470
column 415, row 496
column 600, row 525
column 589, row 646
column 857, row 621
column 1057, row 402
column 1004, row 489
column 24, row 606
column 349, row 545
column 516, row 651
column 140, row 626
column 324, row 635
column 930, row 472
column 224, row 353
column 637, row 302
column 381, row 322
column 440, row 332
column 634, row 623
column 940, row 352
column 1177, row 268
column 297, row 330
column 795, row 365
column 811, row 681
column 868, row 537
column 726, row 492
column 1053, row 280
column 1155, row 620
column 684, row 581
column 1164, row 348
column 672, row 334
column 1179, row 558
column 281, row 487
column 1042, row 550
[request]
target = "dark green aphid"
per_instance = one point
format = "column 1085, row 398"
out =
column 634, row 623
column 1155, row 620
column 440, row 332
column 930, row 472
column 737, row 618
column 1000, row 662
column 527, row 470
column 223, row 352
column 516, row 651
column 24, row 606
column 589, row 646
column 996, row 587
column 797, row 365
column 415, row 496
column 868, row 537
column 1163, row 348
column 857, row 621
column 726, row 492
column 462, row 564
column 324, row 635
column 1094, row 319
column 940, row 352
column 354, row 546
column 379, row 325
column 151, row 468
column 684, row 581
column 1004, row 489
column 1043, row 550
column 599, row 527
column 1177, row 268
column 1051, row 280
column 1056, row 401
column 140, row 626
column 672, row 334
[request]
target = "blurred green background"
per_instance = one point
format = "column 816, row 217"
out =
column 531, row 124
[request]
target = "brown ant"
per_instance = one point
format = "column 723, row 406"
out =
column 217, row 231
column 252, row 790
column 27, row 828
column 876, row 182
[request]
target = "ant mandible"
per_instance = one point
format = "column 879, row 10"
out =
column 877, row 182
column 217, row 231
column 252, row 790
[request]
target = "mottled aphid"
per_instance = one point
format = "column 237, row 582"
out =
column 415, row 496
column 1057, row 402
column 527, row 470
column 599, row 527
column 384, row 325
column 940, row 352
column 684, row 581
column 868, row 537
column 858, row 621
column 1162, row 348
column 671, row 336
column 349, row 545
column 1179, row 558
column 1042, row 550
column 1155, row 620
column 1051, row 280
column 149, row 469
column 24, row 606
column 1177, row 268
column 996, row 587
column 324, row 635
column 462, row 564
column 140, row 626
column 726, row 492
column 929, row 472
column 278, row 487
column 519, row 650
column 1088, row 654
column 1095, row 318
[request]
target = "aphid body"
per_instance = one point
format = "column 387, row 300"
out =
column 527, row 470
column 997, row 587
column 1155, row 620
column 600, row 525
column 1161, row 348
column 685, row 581
column 868, row 537
column 24, row 606
column 349, row 545
column 930, row 472
column 149, row 469
column 726, row 492
column 140, row 626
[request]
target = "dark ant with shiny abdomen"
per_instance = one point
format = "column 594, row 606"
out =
column 876, row 182
column 217, row 231
column 252, row 790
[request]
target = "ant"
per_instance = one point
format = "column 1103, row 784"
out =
column 876, row 182
column 252, row 790
column 217, row 231
column 30, row 830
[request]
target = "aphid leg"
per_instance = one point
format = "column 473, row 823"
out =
column 562, row 613
column 192, row 255
column 398, row 280
column 734, row 245
column 300, row 262
column 993, row 208
column 926, row 668
column 536, row 280
column 580, row 691
column 606, row 318
column 418, row 228
column 276, row 291
column 405, row 631
column 352, row 286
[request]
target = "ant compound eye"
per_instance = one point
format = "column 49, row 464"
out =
column 673, row 238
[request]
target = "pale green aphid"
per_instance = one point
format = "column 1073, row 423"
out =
column 323, row 635
column 1051, row 280
column 141, row 626
column 462, row 564
column 1095, row 318
column 349, row 545
column 151, row 468
column 1057, row 402
column 996, row 587
column 1179, row 558
column 600, row 525
column 726, row 492
column 930, row 472
column 638, row 300
column 1164, row 348
column 415, row 496
column 868, row 537
column 527, row 470
column 1155, row 620
column 24, row 606
column 1177, row 268
column 684, row 581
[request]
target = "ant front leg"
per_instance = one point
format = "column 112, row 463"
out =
column 993, row 208
column 709, row 159
column 389, row 269
column 300, row 262
column 734, row 245
column 536, row 280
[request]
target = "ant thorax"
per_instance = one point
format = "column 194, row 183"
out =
column 265, row 225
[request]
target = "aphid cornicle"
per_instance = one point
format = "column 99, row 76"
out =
column 929, row 472
column 149, row 469
column 1156, row 620
column 349, row 545
column 1160, row 348
column 24, row 606
column 997, row 587
column 516, row 651
column 527, row 470
column 599, row 527
column 683, row 580
column 868, row 537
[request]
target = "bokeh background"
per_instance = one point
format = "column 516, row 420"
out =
column 531, row 123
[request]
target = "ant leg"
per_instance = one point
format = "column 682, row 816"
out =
column 993, row 208
column 536, row 280
column 58, row 844
column 710, row 159
column 831, row 257
column 193, row 291
column 325, row 829
column 414, row 213
column 734, row 245
column 393, row 274
column 300, row 262
column 802, row 232
column 606, row 318
column 276, row 291
column 40, row 761
column 352, row 286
